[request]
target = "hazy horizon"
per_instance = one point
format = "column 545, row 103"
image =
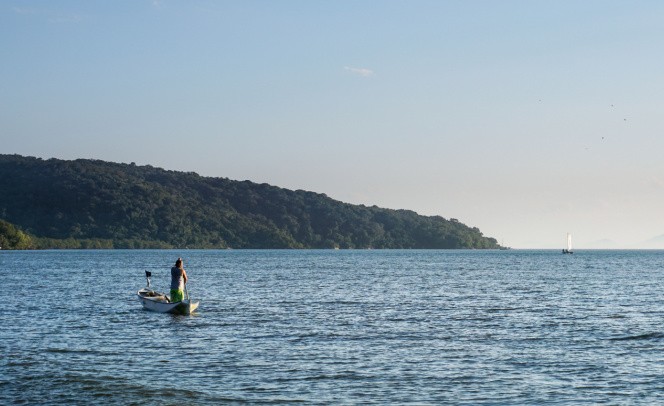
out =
column 526, row 119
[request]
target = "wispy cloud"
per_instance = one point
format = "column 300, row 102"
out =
column 26, row 10
column 364, row 72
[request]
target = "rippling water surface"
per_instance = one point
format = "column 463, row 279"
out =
column 492, row 327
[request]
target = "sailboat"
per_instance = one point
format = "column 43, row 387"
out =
column 568, row 250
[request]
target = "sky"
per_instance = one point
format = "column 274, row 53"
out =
column 527, row 119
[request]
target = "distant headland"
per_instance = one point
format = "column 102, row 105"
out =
column 96, row 204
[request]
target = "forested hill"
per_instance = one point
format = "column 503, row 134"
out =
column 96, row 204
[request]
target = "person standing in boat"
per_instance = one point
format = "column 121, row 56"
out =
column 178, row 280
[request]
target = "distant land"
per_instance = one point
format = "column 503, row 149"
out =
column 602, row 244
column 96, row 204
column 653, row 243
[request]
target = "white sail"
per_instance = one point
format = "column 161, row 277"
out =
column 569, row 242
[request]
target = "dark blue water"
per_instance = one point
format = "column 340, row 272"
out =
column 474, row 327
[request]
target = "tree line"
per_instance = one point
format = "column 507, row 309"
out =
column 98, row 204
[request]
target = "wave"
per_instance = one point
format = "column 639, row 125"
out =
column 501, row 309
column 82, row 388
column 71, row 351
column 647, row 336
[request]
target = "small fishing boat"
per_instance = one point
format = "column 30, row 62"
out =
column 161, row 303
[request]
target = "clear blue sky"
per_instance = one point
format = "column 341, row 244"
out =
column 527, row 119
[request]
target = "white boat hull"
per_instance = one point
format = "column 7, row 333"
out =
column 158, row 302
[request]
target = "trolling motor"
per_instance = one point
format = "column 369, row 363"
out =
column 148, row 274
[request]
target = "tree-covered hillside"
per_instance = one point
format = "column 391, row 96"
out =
column 90, row 203
column 12, row 238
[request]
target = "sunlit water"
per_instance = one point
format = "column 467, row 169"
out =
column 474, row 327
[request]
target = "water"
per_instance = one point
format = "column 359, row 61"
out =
column 427, row 327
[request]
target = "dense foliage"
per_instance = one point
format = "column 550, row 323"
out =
column 11, row 238
column 96, row 204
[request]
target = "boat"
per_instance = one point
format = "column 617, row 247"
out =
column 568, row 250
column 161, row 303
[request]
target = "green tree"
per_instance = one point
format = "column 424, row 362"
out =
column 11, row 238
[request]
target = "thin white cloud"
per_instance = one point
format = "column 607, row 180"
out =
column 25, row 10
column 65, row 19
column 364, row 72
